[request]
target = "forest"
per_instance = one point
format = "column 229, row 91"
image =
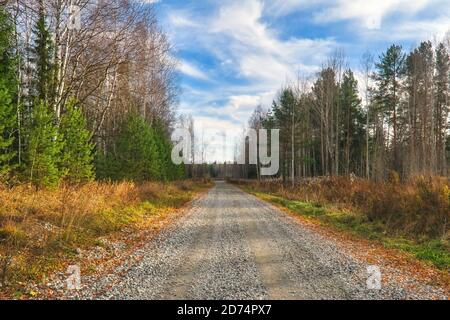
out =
column 366, row 150
column 87, row 106
column 90, row 95
column 388, row 117
column 87, row 96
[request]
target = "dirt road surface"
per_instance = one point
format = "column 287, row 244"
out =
column 231, row 245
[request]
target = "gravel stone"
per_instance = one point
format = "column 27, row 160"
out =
column 231, row 245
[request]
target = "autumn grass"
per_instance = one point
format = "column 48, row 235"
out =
column 412, row 217
column 39, row 228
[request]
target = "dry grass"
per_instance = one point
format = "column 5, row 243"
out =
column 413, row 216
column 38, row 228
column 420, row 207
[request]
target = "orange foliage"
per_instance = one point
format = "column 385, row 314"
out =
column 36, row 226
column 420, row 206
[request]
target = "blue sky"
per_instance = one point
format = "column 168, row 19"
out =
column 235, row 55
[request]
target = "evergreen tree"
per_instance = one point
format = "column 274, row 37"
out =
column 168, row 170
column 43, row 149
column 41, row 57
column 137, row 151
column 180, row 171
column 7, row 123
column 106, row 166
column 7, row 92
column 419, row 112
column 389, row 73
column 141, row 153
column 162, row 158
column 442, row 108
column 283, row 111
column 77, row 153
column 352, row 120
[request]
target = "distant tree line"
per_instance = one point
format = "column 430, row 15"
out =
column 395, row 122
column 79, row 103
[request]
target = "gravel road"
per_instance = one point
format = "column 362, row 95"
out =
column 231, row 245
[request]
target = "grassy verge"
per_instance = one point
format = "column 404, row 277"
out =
column 40, row 229
column 434, row 251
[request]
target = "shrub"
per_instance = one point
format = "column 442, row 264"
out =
column 77, row 153
column 417, row 208
column 38, row 227
column 44, row 149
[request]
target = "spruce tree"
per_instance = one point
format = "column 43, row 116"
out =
column 44, row 149
column 7, row 123
column 41, row 57
column 137, row 151
column 141, row 153
column 163, row 157
column 168, row 170
column 7, row 92
column 77, row 153
column 180, row 172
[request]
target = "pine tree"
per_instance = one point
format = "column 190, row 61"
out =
column 168, row 170
column 419, row 113
column 41, row 57
column 7, row 123
column 283, row 111
column 442, row 108
column 43, row 149
column 106, row 166
column 137, row 151
column 77, row 153
column 352, row 120
column 180, row 172
column 389, row 73
column 7, row 91
column 161, row 159
column 141, row 153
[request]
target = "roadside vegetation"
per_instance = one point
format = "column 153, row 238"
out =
column 369, row 154
column 40, row 229
column 412, row 216
column 85, row 124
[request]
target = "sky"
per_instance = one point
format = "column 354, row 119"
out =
column 236, row 54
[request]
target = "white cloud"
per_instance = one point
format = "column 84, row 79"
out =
column 257, row 51
column 239, row 107
column 179, row 19
column 369, row 13
column 245, row 48
column 191, row 70
column 253, row 51
column 418, row 30
column 283, row 7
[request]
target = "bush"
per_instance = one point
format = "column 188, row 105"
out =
column 432, row 207
column 39, row 227
column 44, row 149
column 419, row 208
column 77, row 153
